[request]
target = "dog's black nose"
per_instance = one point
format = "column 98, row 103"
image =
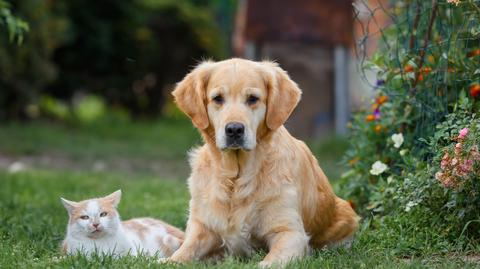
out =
column 234, row 130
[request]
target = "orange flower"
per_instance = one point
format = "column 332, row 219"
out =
column 370, row 117
column 431, row 59
column 475, row 90
column 378, row 128
column 426, row 70
column 353, row 161
column 451, row 70
column 473, row 53
column 408, row 69
column 420, row 77
column 382, row 99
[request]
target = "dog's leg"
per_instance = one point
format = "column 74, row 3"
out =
column 285, row 246
column 199, row 242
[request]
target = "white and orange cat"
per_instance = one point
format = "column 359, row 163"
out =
column 95, row 227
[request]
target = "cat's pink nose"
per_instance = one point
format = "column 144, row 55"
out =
column 95, row 225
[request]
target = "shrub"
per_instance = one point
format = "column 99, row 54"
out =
column 444, row 194
column 15, row 26
column 427, row 59
column 28, row 69
column 128, row 52
column 408, row 158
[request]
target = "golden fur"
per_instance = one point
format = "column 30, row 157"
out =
column 272, row 194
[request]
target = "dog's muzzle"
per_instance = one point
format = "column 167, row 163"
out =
column 235, row 135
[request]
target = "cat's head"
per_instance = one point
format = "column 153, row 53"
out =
column 93, row 218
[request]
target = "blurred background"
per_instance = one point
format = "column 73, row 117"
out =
column 391, row 98
column 87, row 86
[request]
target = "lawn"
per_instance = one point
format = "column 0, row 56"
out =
column 33, row 221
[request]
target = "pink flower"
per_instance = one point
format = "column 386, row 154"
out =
column 467, row 166
column 463, row 133
column 458, row 148
column 445, row 161
column 448, row 182
column 474, row 152
column 444, row 164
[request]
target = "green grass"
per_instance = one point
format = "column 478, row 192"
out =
column 137, row 146
column 145, row 147
column 33, row 224
column 165, row 139
column 33, row 221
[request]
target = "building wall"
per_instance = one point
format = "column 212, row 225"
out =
column 301, row 36
column 311, row 67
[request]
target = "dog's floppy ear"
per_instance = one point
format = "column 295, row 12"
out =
column 283, row 96
column 190, row 94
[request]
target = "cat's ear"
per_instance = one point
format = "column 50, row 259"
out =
column 114, row 198
column 69, row 205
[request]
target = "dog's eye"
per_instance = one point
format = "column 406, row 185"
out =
column 218, row 99
column 252, row 99
column 103, row 214
column 84, row 217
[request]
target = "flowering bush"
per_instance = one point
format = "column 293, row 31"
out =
column 447, row 191
column 414, row 152
column 417, row 193
column 460, row 161
column 456, row 163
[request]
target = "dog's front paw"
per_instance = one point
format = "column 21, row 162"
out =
column 171, row 260
column 270, row 264
column 265, row 264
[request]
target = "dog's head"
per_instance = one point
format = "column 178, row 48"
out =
column 236, row 98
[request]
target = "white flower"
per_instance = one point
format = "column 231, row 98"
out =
column 16, row 167
column 377, row 168
column 397, row 140
column 390, row 179
column 409, row 206
column 403, row 152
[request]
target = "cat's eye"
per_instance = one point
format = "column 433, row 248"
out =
column 252, row 99
column 218, row 99
column 103, row 214
column 84, row 217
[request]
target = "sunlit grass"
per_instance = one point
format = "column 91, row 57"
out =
column 33, row 224
column 33, row 221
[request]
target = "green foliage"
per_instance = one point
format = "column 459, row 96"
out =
column 26, row 70
column 424, row 72
column 33, row 225
column 106, row 138
column 16, row 27
column 130, row 53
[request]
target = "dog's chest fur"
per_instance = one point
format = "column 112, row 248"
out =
column 233, row 213
column 226, row 200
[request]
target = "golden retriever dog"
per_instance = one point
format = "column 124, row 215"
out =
column 253, row 186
